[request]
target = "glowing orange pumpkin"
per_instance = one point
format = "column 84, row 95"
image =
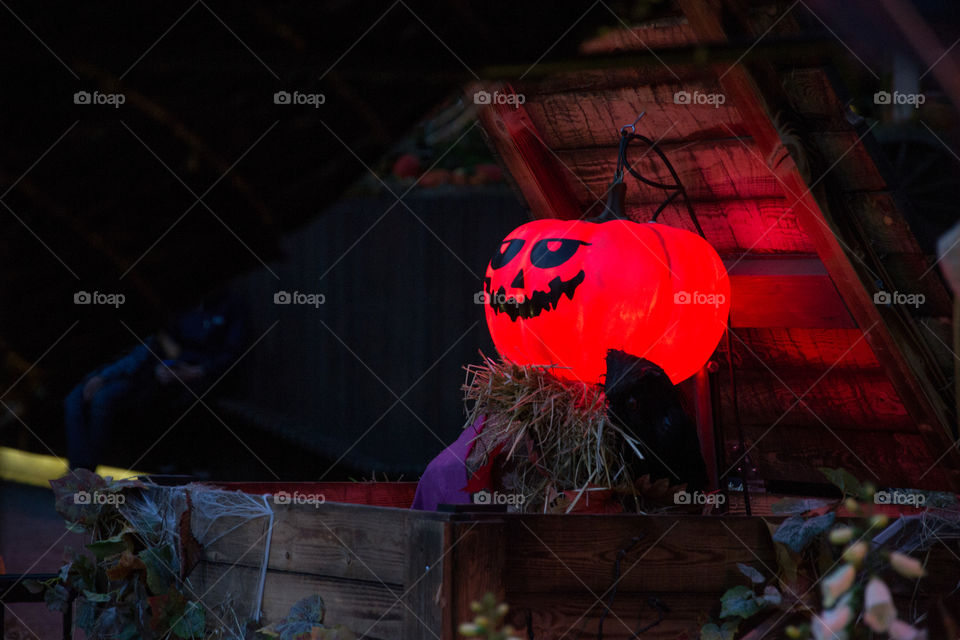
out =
column 561, row 292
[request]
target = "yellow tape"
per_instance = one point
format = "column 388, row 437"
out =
column 38, row 469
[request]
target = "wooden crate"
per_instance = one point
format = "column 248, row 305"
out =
column 390, row 573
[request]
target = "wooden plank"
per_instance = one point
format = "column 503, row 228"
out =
column 785, row 349
column 593, row 118
column 478, row 559
column 792, row 453
column 688, row 554
column 577, row 614
column 844, row 399
column 531, row 164
column 734, row 227
column 423, row 583
column 911, row 273
column 728, row 167
column 709, row 170
column 334, row 540
column 879, row 215
column 368, row 608
column 893, row 338
column 785, row 292
column 815, row 97
column 848, row 161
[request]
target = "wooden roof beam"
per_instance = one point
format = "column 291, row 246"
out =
column 534, row 167
column 888, row 331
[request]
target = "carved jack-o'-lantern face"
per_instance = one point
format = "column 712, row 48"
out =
column 563, row 292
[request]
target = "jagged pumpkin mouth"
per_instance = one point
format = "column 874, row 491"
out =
column 538, row 301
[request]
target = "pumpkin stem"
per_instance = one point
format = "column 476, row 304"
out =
column 614, row 209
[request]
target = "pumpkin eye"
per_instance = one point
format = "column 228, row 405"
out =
column 508, row 251
column 552, row 252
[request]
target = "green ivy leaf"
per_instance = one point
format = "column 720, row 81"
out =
column 796, row 533
column 726, row 631
column 108, row 546
column 57, row 598
column 34, row 586
column 85, row 616
column 772, row 595
column 302, row 618
column 160, row 564
column 739, row 601
column 845, row 481
column 130, row 632
column 791, row 506
column 787, row 562
column 93, row 596
column 193, row 622
column 81, row 573
column 755, row 576
column 309, row 609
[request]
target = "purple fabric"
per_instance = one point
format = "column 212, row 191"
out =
column 446, row 475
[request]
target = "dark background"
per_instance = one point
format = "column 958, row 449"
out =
column 96, row 198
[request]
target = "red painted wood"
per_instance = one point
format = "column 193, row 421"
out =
column 785, row 292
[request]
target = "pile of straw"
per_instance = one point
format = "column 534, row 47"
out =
column 555, row 433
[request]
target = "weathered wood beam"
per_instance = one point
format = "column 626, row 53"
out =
column 537, row 172
column 888, row 330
